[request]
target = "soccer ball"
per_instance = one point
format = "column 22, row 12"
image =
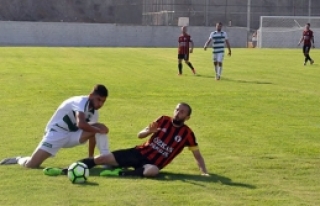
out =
column 78, row 172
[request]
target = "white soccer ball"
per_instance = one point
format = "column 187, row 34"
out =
column 78, row 172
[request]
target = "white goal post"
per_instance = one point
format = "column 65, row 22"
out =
column 285, row 31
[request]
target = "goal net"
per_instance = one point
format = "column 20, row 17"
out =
column 285, row 31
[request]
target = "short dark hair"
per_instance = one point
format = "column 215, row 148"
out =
column 100, row 90
column 308, row 24
column 188, row 106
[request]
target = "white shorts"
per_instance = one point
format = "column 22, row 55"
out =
column 54, row 140
column 218, row 57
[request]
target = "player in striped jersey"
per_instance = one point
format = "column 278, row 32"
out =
column 73, row 123
column 308, row 42
column 218, row 38
column 185, row 47
column 168, row 138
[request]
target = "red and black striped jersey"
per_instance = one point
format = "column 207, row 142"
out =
column 164, row 145
column 307, row 37
column 184, row 41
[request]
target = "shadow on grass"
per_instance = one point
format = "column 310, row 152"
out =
column 88, row 183
column 187, row 178
column 214, row 178
column 235, row 80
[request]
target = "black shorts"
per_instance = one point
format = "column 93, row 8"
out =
column 130, row 158
column 183, row 56
column 306, row 49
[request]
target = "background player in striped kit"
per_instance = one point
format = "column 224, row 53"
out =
column 219, row 38
column 185, row 47
column 169, row 136
column 308, row 41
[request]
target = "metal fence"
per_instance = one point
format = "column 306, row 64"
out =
column 236, row 13
column 239, row 13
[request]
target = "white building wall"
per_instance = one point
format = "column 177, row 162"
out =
column 14, row 33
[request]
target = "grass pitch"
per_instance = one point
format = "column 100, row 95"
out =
column 258, row 128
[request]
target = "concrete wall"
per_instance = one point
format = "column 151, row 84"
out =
column 106, row 35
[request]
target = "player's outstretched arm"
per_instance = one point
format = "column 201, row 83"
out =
column 229, row 47
column 207, row 43
column 152, row 128
column 200, row 162
column 191, row 46
column 301, row 39
column 312, row 40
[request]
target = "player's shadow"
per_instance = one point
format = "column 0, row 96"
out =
column 236, row 80
column 188, row 178
column 247, row 81
column 196, row 179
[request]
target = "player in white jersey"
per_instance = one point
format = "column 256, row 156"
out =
column 73, row 123
column 218, row 38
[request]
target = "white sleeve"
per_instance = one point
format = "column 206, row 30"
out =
column 225, row 36
column 210, row 36
column 80, row 106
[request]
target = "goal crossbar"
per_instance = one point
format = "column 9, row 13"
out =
column 284, row 31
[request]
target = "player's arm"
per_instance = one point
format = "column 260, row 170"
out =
column 191, row 45
column 301, row 39
column 312, row 40
column 207, row 43
column 228, row 46
column 199, row 160
column 85, row 126
column 152, row 128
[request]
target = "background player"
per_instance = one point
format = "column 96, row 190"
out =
column 73, row 123
column 308, row 41
column 185, row 47
column 219, row 38
column 168, row 138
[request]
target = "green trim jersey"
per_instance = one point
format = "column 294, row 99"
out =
column 65, row 116
column 218, row 41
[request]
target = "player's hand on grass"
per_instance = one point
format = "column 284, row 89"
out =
column 153, row 127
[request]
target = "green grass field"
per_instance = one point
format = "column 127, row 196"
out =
column 258, row 128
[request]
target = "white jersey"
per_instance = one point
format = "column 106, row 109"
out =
column 218, row 41
column 65, row 116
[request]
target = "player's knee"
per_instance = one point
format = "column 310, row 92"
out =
column 30, row 164
column 150, row 170
column 101, row 126
column 106, row 159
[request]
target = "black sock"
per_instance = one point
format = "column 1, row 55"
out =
column 137, row 172
column 308, row 57
column 305, row 59
column 190, row 65
column 180, row 68
column 64, row 171
column 89, row 162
